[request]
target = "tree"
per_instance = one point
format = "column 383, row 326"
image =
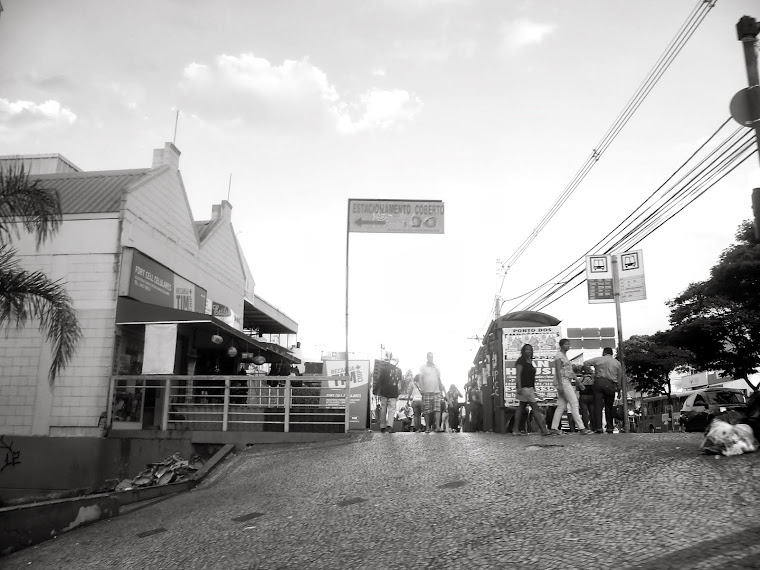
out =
column 649, row 362
column 718, row 320
column 30, row 295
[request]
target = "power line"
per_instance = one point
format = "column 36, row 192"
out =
column 697, row 186
column 722, row 160
column 685, row 32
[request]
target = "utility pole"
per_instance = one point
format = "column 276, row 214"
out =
column 747, row 30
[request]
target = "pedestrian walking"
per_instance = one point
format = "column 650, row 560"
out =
column 564, row 377
column 415, row 397
column 389, row 381
column 430, row 385
column 608, row 374
column 444, row 414
column 476, row 406
column 586, row 399
column 453, row 396
column 526, row 391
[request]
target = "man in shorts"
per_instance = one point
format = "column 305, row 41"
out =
column 430, row 386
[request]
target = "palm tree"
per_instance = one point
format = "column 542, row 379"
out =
column 31, row 295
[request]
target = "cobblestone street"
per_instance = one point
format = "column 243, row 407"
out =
column 408, row 500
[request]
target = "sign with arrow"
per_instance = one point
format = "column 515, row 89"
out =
column 396, row 216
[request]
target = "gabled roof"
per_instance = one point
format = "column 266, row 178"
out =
column 91, row 192
column 203, row 228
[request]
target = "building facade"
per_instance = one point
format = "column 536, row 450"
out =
column 131, row 257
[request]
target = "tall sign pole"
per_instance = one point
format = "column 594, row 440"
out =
column 621, row 352
column 348, row 374
column 388, row 217
column 745, row 107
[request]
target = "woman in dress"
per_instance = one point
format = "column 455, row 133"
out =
column 526, row 391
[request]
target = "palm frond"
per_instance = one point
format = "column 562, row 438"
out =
column 26, row 296
column 25, row 202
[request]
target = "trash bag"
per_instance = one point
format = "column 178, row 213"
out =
column 723, row 438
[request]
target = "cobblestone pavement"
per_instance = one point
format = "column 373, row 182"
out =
column 442, row 501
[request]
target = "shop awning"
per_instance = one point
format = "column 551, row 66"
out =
column 131, row 312
column 267, row 319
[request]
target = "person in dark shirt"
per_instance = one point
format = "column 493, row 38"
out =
column 526, row 391
column 388, row 389
column 586, row 398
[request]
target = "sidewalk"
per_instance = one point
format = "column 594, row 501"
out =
column 445, row 500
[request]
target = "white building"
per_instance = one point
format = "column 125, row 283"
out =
column 130, row 256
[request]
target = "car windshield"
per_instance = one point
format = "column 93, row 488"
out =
column 727, row 397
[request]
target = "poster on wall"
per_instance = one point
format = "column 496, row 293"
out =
column 359, row 392
column 545, row 343
column 160, row 349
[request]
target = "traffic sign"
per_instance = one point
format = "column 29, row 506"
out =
column 741, row 107
column 396, row 216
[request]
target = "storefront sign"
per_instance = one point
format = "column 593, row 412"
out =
column 359, row 391
column 545, row 343
column 150, row 282
column 226, row 315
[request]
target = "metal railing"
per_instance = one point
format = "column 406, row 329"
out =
column 228, row 403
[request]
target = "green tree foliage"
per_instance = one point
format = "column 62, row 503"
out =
column 718, row 320
column 650, row 360
column 30, row 295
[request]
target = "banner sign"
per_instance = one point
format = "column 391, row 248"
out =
column 151, row 282
column 359, row 391
column 396, row 216
column 227, row 315
column 545, row 343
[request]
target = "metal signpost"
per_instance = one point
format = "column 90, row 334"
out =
column 388, row 217
column 617, row 278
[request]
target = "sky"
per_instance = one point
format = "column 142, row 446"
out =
column 490, row 106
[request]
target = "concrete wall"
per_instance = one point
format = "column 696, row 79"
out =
column 50, row 466
column 83, row 256
column 41, row 466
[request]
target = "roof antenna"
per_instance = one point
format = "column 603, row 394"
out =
column 229, row 187
column 176, row 120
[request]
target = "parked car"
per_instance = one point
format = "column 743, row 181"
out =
column 702, row 406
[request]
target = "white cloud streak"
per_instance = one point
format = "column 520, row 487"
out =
column 247, row 89
column 522, row 33
column 27, row 114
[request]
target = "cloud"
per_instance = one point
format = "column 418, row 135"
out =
column 26, row 114
column 377, row 110
column 249, row 90
column 522, row 33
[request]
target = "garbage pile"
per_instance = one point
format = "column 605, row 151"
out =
column 734, row 433
column 171, row 469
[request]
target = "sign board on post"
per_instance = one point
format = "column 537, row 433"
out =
column 631, row 277
column 599, row 279
column 631, row 274
column 359, row 389
column 395, row 216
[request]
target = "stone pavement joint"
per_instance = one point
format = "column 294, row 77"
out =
column 249, row 516
column 722, row 552
column 151, row 532
column 352, row 501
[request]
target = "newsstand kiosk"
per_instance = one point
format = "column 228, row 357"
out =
column 496, row 362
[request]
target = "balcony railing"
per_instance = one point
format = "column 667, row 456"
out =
column 228, row 403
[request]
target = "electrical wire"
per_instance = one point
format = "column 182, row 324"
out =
column 687, row 29
column 725, row 158
column 702, row 181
